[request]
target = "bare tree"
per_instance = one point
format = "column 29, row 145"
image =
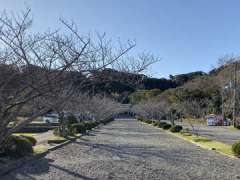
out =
column 195, row 108
column 151, row 109
column 95, row 107
column 38, row 71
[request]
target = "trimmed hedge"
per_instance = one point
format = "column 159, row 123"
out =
column 30, row 139
column 140, row 119
column 79, row 128
column 161, row 124
column 166, row 126
column 63, row 132
column 148, row 121
column 236, row 148
column 34, row 129
column 56, row 141
column 72, row 129
column 106, row 121
column 156, row 123
column 237, row 126
column 17, row 146
column 176, row 128
column 90, row 124
column 71, row 119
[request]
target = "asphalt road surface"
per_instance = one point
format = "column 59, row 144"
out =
column 225, row 134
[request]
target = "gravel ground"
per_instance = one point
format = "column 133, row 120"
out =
column 225, row 134
column 42, row 138
column 127, row 149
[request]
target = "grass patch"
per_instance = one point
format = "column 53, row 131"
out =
column 56, row 139
column 39, row 149
column 25, row 134
column 201, row 139
column 195, row 121
column 231, row 128
column 77, row 135
column 207, row 143
column 185, row 133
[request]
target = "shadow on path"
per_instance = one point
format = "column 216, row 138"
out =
column 38, row 167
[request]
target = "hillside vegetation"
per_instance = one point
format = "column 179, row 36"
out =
column 196, row 94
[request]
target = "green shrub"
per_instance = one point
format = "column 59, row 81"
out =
column 90, row 124
column 30, row 139
column 71, row 129
column 161, row 124
column 79, row 128
column 176, row 128
column 156, row 123
column 71, row 119
column 148, row 121
column 17, row 146
column 237, row 126
column 236, row 148
column 166, row 126
column 106, row 121
column 56, row 131
column 34, row 129
column 140, row 119
column 186, row 132
column 96, row 123
column 56, row 140
column 63, row 131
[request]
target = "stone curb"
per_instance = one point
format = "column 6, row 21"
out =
column 63, row 144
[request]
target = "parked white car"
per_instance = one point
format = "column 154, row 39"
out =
column 51, row 118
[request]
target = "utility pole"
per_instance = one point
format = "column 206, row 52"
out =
column 223, row 113
column 234, row 93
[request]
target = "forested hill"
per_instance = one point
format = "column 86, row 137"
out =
column 115, row 81
column 121, row 84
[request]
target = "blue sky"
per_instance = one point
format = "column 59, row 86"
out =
column 188, row 35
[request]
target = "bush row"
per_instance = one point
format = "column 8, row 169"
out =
column 82, row 127
column 19, row 146
column 88, row 125
column 106, row 121
column 34, row 129
column 177, row 128
column 163, row 125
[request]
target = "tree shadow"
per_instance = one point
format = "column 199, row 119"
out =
column 174, row 156
column 31, row 171
column 72, row 173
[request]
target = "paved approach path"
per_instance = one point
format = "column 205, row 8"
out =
column 127, row 149
column 225, row 134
